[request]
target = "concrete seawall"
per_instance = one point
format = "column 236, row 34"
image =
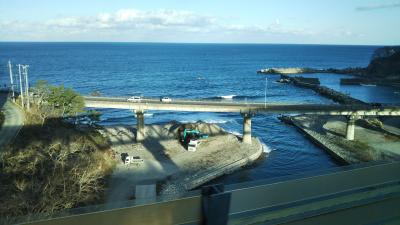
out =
column 328, row 133
column 214, row 172
column 180, row 183
column 316, row 139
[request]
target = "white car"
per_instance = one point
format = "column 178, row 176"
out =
column 135, row 99
column 192, row 146
column 166, row 99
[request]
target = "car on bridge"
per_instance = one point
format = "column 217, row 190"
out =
column 166, row 99
column 135, row 99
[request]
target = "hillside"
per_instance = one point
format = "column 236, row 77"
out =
column 385, row 64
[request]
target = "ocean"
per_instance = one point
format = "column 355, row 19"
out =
column 203, row 71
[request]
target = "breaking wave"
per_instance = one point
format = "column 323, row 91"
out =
column 215, row 121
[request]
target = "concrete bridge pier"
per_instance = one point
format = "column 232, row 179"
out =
column 246, row 128
column 140, row 129
column 350, row 128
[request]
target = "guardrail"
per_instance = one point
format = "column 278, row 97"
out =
column 196, row 100
column 367, row 194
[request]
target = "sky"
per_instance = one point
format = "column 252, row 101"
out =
column 352, row 22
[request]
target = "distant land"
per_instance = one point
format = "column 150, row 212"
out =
column 385, row 64
column 384, row 68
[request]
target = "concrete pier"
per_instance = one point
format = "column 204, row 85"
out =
column 246, row 128
column 350, row 128
column 140, row 129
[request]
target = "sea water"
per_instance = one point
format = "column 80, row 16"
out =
column 220, row 72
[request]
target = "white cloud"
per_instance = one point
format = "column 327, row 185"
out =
column 124, row 15
column 134, row 18
column 378, row 6
column 66, row 22
column 153, row 25
column 104, row 17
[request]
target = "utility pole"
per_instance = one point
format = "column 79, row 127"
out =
column 11, row 80
column 25, row 71
column 20, row 86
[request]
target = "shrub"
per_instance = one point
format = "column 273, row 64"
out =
column 52, row 165
column 2, row 118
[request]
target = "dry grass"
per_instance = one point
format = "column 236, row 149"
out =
column 51, row 167
column 1, row 118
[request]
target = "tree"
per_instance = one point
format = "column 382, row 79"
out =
column 65, row 101
column 57, row 101
column 41, row 91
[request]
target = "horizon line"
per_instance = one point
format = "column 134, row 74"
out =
column 216, row 43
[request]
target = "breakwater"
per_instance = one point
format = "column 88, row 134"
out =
column 322, row 90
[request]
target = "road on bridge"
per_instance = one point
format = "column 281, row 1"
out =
column 226, row 106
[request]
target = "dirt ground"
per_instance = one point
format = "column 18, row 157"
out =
column 166, row 160
column 369, row 144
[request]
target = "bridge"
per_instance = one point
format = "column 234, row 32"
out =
column 247, row 110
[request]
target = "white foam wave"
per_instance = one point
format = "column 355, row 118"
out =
column 227, row 96
column 215, row 121
column 187, row 121
column 234, row 133
column 145, row 115
column 266, row 149
column 205, row 121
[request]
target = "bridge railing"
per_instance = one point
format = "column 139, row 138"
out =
column 211, row 99
column 195, row 101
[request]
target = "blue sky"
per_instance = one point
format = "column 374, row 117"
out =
column 222, row 21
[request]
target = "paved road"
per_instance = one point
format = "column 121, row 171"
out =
column 14, row 120
column 231, row 106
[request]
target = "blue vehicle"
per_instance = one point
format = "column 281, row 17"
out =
column 189, row 134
